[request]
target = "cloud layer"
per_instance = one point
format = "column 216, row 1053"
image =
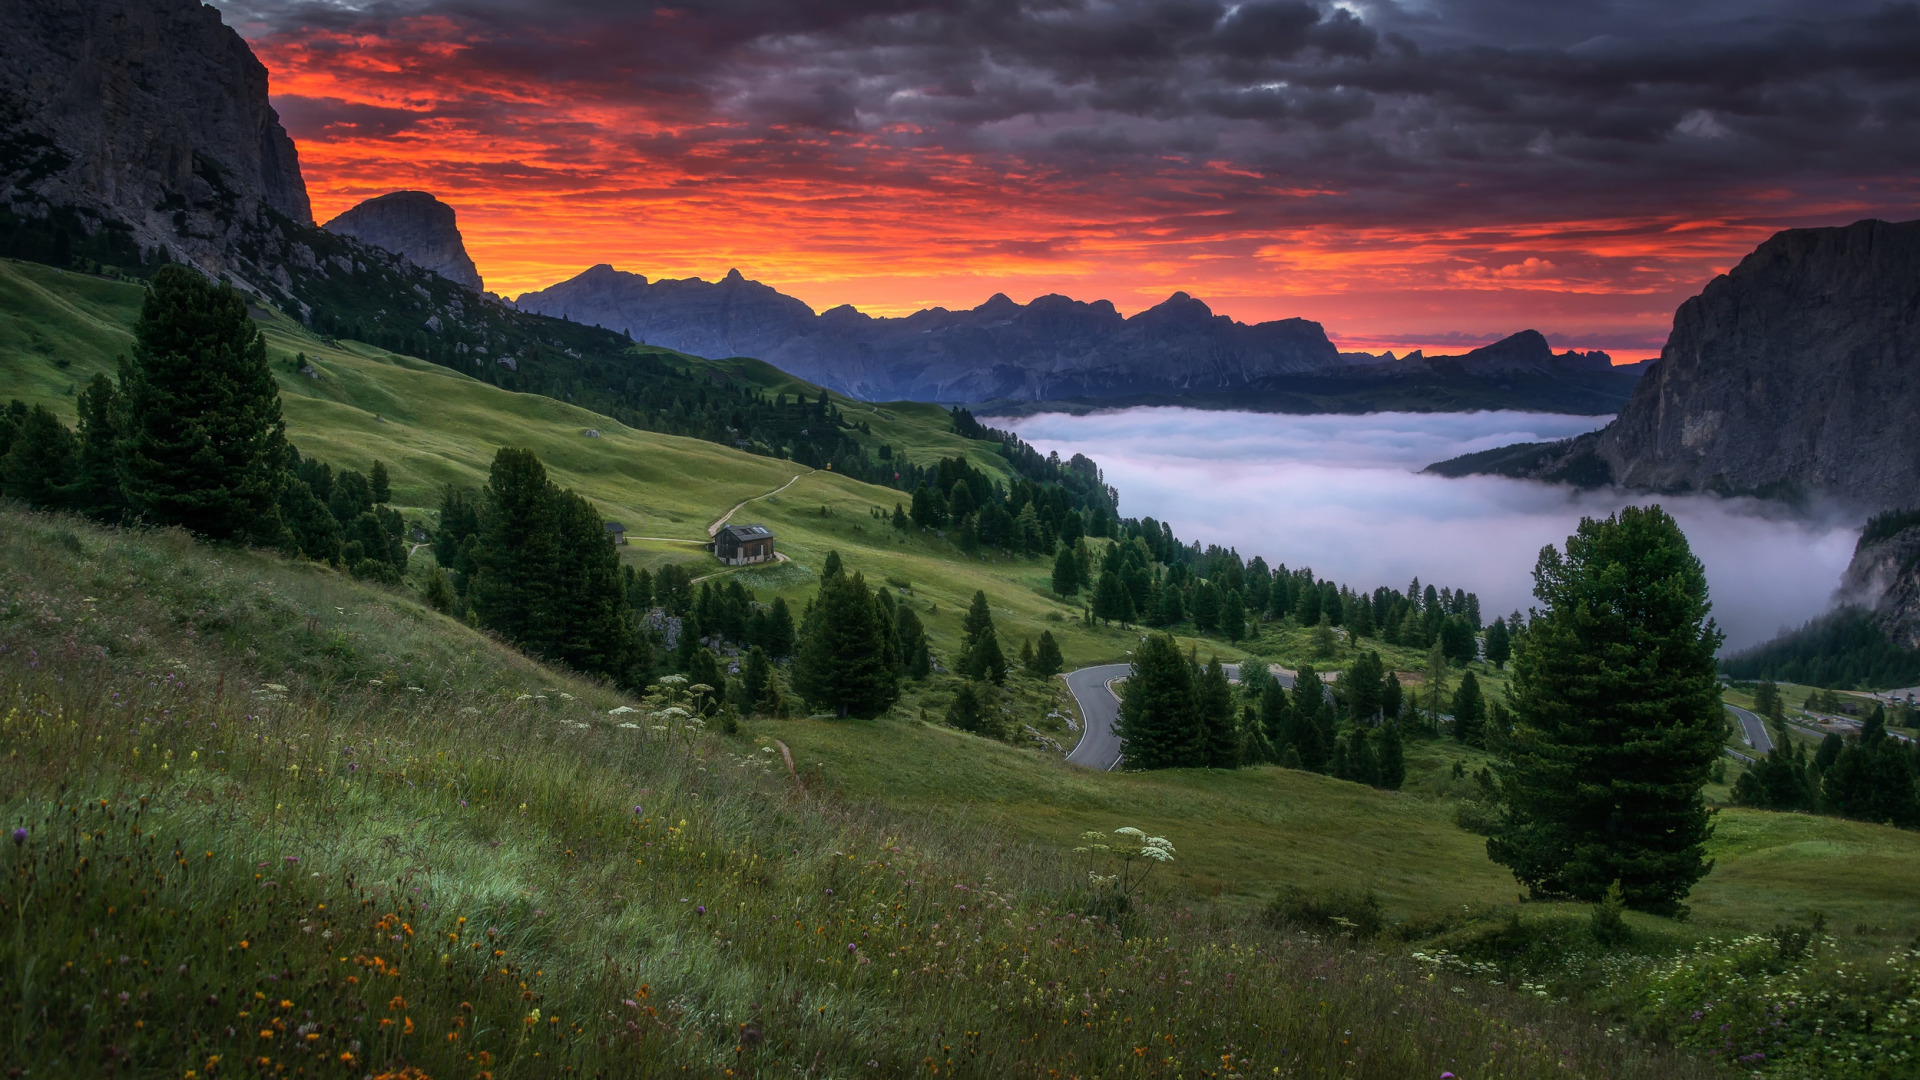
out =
column 1398, row 170
column 1343, row 495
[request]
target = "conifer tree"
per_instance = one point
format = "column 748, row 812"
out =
column 1206, row 607
column 202, row 442
column 1779, row 781
column 703, row 670
column 1159, row 722
column 780, row 634
column 846, row 661
column 1066, row 575
column 1233, row 615
column 969, row 711
column 1434, row 692
column 1873, row 778
column 756, row 679
column 1111, row 603
column 39, row 467
column 314, row 529
column 1308, row 710
column 1276, row 721
column 516, row 551
column 1392, row 697
column 587, row 598
column 1324, row 643
column 1362, row 687
column 1390, row 756
column 916, row 659
column 1469, row 712
column 1047, row 661
column 1213, row 697
column 1617, row 718
column 379, row 484
column 900, row 520
column 980, row 655
column 831, row 568
column 1499, row 645
column 96, row 488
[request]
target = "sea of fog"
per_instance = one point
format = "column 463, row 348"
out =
column 1345, row 496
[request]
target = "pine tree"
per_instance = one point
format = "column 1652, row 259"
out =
column 1363, row 688
column 1111, row 603
column 39, row 467
column 1206, row 607
column 1873, row 778
column 900, row 520
column 1499, row 644
column 780, row 639
column 703, row 670
column 1457, row 641
column 96, row 487
column 1617, row 718
column 1390, row 756
column 980, row 655
column 1276, row 720
column 847, row 660
column 314, row 529
column 1047, row 661
column 831, row 568
column 756, row 676
column 1392, row 697
column 1233, row 615
column 1308, row 710
column 970, row 711
column 1159, row 721
column 439, row 592
column 203, row 445
column 916, row 659
column 1435, row 689
column 1213, row 698
column 1469, row 712
column 1324, row 643
column 587, row 598
column 1066, row 575
column 1779, row 781
column 516, row 552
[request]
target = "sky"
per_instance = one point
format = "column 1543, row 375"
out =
column 1344, row 496
column 1425, row 173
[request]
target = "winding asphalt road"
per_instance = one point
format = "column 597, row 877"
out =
column 1754, row 729
column 1099, row 746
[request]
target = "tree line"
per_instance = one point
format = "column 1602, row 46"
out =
column 1872, row 776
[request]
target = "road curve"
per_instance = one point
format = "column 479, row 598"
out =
column 1099, row 746
column 1753, row 729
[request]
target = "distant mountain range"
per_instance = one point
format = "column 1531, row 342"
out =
column 1060, row 350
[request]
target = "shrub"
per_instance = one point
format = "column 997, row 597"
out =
column 1338, row 912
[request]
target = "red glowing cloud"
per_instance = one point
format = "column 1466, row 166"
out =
column 882, row 157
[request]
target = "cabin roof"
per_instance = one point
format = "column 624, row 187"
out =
column 742, row 533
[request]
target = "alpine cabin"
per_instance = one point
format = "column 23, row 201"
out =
column 738, row 545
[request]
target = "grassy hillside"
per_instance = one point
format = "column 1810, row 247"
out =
column 269, row 820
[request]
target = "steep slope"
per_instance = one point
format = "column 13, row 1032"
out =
column 1795, row 376
column 1053, row 348
column 140, row 113
column 416, row 225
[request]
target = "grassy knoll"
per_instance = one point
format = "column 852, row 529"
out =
column 273, row 821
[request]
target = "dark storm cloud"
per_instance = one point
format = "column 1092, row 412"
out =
column 1512, row 96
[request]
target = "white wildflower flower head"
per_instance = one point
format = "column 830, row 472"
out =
column 1157, row 854
column 701, row 687
column 1130, row 831
column 1157, row 842
column 673, row 680
column 622, row 710
column 1091, row 835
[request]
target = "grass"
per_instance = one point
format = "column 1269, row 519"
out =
column 276, row 821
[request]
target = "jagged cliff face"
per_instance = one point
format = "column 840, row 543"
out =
column 416, row 225
column 130, row 93
column 1054, row 347
column 1796, row 375
column 1885, row 576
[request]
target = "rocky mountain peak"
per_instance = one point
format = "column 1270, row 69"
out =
column 142, row 111
column 417, row 226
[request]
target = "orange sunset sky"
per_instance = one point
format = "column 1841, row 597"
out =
column 1406, row 183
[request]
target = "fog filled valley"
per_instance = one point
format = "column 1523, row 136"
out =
column 1345, row 496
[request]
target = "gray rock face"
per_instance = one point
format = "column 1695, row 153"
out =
column 416, row 225
column 1885, row 576
column 1796, row 375
column 130, row 93
column 1054, row 347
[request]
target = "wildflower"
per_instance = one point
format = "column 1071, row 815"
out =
column 700, row 909
column 20, row 835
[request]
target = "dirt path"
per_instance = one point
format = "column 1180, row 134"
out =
column 778, row 556
column 715, row 527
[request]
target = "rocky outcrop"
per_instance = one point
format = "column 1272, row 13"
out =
column 416, row 225
column 1052, row 348
column 139, row 109
column 1884, row 576
column 1796, row 376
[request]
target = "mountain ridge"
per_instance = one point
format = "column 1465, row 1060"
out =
column 1052, row 349
column 416, row 225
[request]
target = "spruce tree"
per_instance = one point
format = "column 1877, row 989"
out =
column 755, row 676
column 1392, row 697
column 970, row 710
column 703, row 670
column 1390, row 756
column 39, row 467
column 1206, row 607
column 1617, row 718
column 380, row 485
column 1213, row 697
column 1499, row 644
column 780, row 639
column 1233, row 615
column 1159, row 722
column 1362, row 687
column 314, row 529
column 202, row 445
column 1066, row 575
column 1469, row 712
column 96, row 487
column 587, row 597
column 916, row 659
column 1047, row 661
column 1308, row 708
column 846, row 661
column 515, row 555
column 980, row 655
